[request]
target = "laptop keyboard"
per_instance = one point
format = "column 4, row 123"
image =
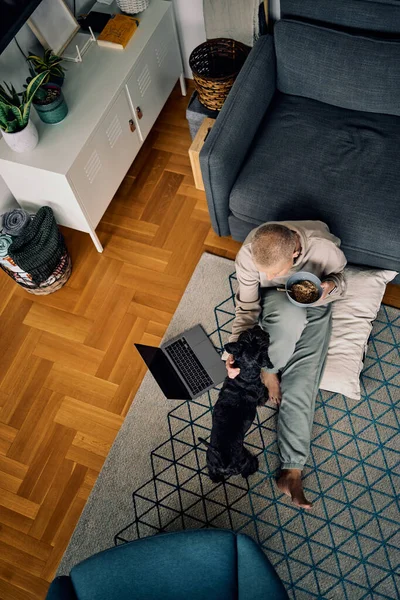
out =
column 189, row 366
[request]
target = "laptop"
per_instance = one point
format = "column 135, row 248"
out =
column 186, row 366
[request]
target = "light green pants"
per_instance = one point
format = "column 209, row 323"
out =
column 299, row 339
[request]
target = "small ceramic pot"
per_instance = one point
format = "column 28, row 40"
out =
column 24, row 140
column 55, row 111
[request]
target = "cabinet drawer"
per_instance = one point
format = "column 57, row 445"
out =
column 155, row 75
column 100, row 167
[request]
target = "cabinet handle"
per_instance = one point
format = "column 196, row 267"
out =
column 139, row 112
column 132, row 125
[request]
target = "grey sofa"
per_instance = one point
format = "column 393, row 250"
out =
column 311, row 130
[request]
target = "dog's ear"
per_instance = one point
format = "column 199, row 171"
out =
column 232, row 348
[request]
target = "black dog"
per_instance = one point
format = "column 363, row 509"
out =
column 236, row 408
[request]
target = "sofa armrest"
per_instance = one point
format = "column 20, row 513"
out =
column 229, row 140
column 61, row 589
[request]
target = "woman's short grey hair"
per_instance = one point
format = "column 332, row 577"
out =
column 273, row 244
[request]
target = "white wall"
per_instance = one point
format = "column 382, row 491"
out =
column 190, row 23
column 7, row 200
column 191, row 30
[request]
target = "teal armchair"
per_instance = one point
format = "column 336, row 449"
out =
column 205, row 564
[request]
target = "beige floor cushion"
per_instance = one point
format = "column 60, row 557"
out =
column 352, row 319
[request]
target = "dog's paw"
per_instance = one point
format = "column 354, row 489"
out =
column 216, row 478
column 263, row 398
column 251, row 467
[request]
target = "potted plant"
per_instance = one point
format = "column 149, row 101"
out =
column 50, row 104
column 50, row 62
column 18, row 130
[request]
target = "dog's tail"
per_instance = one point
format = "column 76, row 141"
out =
column 216, row 471
column 216, row 453
column 203, row 441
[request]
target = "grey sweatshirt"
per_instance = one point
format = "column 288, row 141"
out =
column 320, row 254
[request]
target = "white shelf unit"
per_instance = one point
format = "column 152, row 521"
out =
column 114, row 98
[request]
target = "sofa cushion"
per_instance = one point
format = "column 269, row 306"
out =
column 338, row 68
column 311, row 160
column 368, row 15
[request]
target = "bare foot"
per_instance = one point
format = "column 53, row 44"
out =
column 289, row 482
column 271, row 381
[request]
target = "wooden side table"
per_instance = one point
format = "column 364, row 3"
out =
column 194, row 151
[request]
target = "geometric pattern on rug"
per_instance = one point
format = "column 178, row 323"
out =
column 348, row 545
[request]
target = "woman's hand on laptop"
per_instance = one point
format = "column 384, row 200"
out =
column 232, row 371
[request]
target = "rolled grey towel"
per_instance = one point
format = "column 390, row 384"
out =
column 40, row 247
column 15, row 221
column 5, row 243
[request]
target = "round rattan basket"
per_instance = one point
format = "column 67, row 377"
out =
column 133, row 6
column 56, row 281
column 215, row 65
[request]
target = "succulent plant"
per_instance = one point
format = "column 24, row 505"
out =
column 49, row 62
column 15, row 107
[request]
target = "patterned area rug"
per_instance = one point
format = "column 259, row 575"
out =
column 154, row 478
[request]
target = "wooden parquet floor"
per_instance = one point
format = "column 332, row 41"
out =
column 69, row 371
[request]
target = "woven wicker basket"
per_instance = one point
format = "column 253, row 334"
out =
column 215, row 65
column 56, row 281
column 133, row 6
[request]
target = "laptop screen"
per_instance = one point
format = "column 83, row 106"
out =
column 163, row 372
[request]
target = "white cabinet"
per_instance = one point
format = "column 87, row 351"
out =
column 114, row 98
column 142, row 93
column 154, row 75
column 100, row 167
